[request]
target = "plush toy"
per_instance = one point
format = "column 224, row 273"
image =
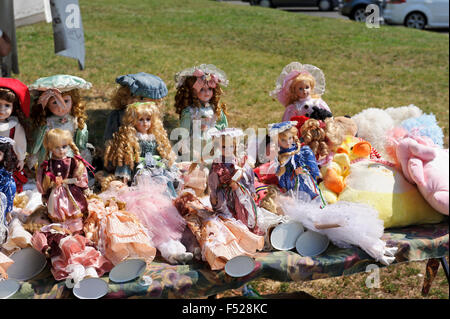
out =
column 380, row 185
column 374, row 123
column 299, row 89
column 334, row 175
column 425, row 164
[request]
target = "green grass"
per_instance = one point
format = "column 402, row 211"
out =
column 390, row 66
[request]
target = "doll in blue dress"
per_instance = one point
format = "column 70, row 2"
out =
column 297, row 169
column 8, row 163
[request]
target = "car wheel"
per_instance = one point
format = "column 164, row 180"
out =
column 266, row 3
column 325, row 5
column 359, row 14
column 416, row 20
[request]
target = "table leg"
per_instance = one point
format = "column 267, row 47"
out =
column 430, row 273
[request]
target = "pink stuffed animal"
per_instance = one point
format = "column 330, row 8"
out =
column 426, row 165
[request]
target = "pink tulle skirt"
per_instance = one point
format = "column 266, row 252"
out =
column 150, row 204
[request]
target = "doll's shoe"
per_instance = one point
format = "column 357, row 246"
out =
column 387, row 260
column 390, row 251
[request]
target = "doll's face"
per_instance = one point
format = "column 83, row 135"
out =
column 303, row 90
column 60, row 110
column 6, row 109
column 285, row 140
column 205, row 94
column 60, row 151
column 143, row 123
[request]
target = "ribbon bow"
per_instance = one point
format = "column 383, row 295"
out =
column 204, row 80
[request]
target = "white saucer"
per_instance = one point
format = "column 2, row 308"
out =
column 8, row 288
column 284, row 236
column 239, row 266
column 28, row 263
column 90, row 288
column 127, row 270
column 311, row 243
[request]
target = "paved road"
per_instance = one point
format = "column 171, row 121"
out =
column 315, row 12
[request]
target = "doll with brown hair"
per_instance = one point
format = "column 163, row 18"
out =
column 299, row 88
column 139, row 87
column 197, row 101
column 62, row 180
column 14, row 109
column 141, row 143
column 297, row 168
column 58, row 104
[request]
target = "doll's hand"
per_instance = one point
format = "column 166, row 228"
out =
column 299, row 171
column 20, row 165
column 58, row 180
column 234, row 186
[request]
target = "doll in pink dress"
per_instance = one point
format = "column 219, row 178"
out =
column 62, row 180
column 299, row 88
column 116, row 233
column 220, row 237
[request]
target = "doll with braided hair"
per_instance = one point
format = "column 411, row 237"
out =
column 62, row 180
column 58, row 104
column 140, row 144
column 199, row 90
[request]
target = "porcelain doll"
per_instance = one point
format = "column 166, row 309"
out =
column 58, row 104
column 139, row 87
column 117, row 234
column 14, row 109
column 150, row 203
column 141, row 147
column 220, row 237
column 199, row 90
column 8, row 163
column 297, row 169
column 72, row 256
column 231, row 180
column 62, row 180
column 299, row 88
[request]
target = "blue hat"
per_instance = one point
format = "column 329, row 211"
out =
column 144, row 84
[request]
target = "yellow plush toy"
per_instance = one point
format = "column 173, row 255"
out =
column 337, row 170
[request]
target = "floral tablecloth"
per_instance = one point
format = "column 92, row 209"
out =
column 197, row 280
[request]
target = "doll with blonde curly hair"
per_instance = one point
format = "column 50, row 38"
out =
column 58, row 104
column 62, row 180
column 133, row 88
column 140, row 143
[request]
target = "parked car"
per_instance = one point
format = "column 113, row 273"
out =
column 324, row 5
column 356, row 9
column 417, row 13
